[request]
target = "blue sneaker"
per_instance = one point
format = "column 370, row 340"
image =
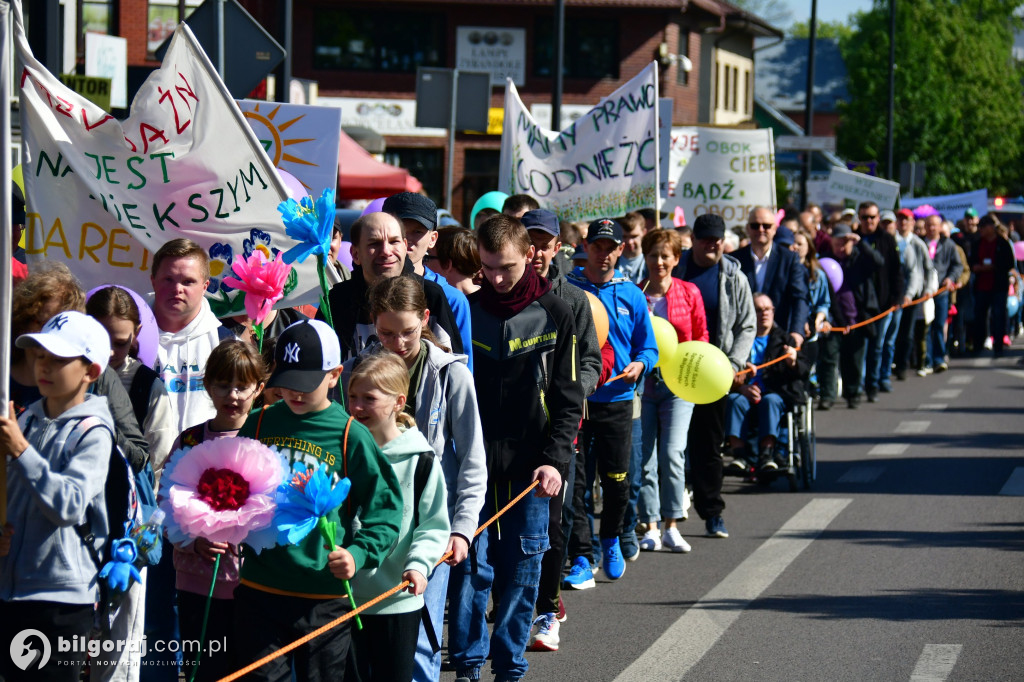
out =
column 716, row 528
column 630, row 546
column 580, row 576
column 614, row 564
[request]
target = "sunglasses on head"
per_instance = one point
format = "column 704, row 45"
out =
column 760, row 226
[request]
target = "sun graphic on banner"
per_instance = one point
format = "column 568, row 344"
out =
column 273, row 141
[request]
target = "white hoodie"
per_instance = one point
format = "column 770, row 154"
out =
column 181, row 363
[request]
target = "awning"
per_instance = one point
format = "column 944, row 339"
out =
column 360, row 176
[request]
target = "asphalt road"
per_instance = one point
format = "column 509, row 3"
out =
column 903, row 562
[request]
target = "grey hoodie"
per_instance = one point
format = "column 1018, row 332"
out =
column 49, row 488
column 446, row 413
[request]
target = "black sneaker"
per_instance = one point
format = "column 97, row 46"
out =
column 766, row 460
column 853, row 402
column 825, row 405
column 872, row 396
column 737, row 467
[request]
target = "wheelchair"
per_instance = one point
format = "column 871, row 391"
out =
column 795, row 450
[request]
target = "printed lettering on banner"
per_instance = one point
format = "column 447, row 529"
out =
column 721, row 171
column 104, row 194
column 605, row 163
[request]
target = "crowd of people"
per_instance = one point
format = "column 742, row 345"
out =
column 460, row 368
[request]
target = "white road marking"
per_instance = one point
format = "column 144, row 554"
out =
column 1015, row 484
column 936, row 662
column 861, row 474
column 961, row 379
column 947, row 394
column 932, row 407
column 981, row 362
column 693, row 634
column 1012, row 372
column 912, row 427
column 889, row 449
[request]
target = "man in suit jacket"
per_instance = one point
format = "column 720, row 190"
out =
column 777, row 272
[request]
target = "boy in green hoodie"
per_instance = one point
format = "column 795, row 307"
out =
column 289, row 591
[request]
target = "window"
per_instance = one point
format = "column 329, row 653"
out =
column 718, row 83
column 378, row 41
column 163, row 17
column 592, row 48
column 682, row 75
column 748, row 92
column 426, row 165
column 480, row 175
column 98, row 16
column 735, row 81
column 726, row 87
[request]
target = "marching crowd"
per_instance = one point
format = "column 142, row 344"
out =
column 460, row 367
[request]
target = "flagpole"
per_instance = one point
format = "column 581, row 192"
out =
column 6, row 248
column 657, row 146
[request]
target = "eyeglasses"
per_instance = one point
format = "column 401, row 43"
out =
column 760, row 226
column 868, row 217
column 224, row 390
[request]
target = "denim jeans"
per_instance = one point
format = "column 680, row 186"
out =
column 427, row 665
column 889, row 347
column 507, row 560
column 769, row 416
column 666, row 421
column 937, row 332
column 875, row 351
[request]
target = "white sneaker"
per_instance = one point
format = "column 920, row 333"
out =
column 651, row 541
column 674, row 541
column 545, row 633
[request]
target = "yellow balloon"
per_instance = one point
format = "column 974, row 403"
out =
column 18, row 176
column 666, row 337
column 698, row 372
column 600, row 316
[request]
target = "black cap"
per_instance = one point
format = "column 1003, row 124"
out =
column 709, row 226
column 604, row 228
column 541, row 219
column 306, row 351
column 412, row 206
column 841, row 230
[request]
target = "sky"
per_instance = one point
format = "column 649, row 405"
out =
column 828, row 10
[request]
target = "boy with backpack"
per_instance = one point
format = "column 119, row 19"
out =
column 60, row 452
column 289, row 591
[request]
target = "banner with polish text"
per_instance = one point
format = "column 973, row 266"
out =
column 604, row 164
column 103, row 194
column 723, row 171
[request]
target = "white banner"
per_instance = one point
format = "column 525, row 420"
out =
column 724, row 171
column 105, row 194
column 850, row 188
column 952, row 206
column 301, row 139
column 604, row 164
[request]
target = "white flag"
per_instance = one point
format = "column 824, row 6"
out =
column 604, row 164
column 104, row 194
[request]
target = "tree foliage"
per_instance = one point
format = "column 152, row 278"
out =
column 959, row 102
column 835, row 30
column 775, row 12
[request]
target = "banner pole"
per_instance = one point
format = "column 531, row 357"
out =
column 451, row 141
column 6, row 247
column 657, row 145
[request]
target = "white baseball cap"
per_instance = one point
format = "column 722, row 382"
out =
column 72, row 334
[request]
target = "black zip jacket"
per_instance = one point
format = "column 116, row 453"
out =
column 889, row 284
column 526, row 371
column 858, row 271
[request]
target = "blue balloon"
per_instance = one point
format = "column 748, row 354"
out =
column 1012, row 305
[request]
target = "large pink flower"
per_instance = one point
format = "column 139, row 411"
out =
column 220, row 490
column 262, row 281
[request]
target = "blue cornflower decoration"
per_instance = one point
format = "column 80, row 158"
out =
column 309, row 224
column 303, row 504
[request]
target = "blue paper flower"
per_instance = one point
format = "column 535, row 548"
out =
column 303, row 501
column 309, row 224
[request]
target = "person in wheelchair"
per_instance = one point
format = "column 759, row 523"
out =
column 772, row 390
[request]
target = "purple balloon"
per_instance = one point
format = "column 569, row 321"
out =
column 345, row 254
column 295, row 189
column 833, row 271
column 375, row 206
column 1018, row 250
column 149, row 334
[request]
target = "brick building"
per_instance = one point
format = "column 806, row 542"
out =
column 364, row 56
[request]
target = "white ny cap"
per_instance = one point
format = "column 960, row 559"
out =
column 72, row 334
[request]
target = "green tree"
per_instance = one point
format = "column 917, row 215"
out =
column 775, row 12
column 958, row 92
column 835, row 30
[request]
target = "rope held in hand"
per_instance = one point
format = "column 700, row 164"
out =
column 362, row 607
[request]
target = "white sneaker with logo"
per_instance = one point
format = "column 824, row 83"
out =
column 651, row 541
column 674, row 541
column 545, row 633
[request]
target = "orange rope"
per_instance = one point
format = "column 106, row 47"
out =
column 845, row 330
column 362, row 607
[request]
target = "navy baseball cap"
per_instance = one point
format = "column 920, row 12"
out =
column 784, row 236
column 541, row 219
column 306, row 351
column 709, row 226
column 412, row 206
column 604, row 228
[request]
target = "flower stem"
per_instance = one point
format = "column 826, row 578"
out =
column 325, row 304
column 206, row 618
column 352, row 603
column 257, row 330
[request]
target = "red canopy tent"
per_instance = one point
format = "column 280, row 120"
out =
column 360, row 176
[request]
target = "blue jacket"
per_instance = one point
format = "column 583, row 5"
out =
column 459, row 304
column 629, row 330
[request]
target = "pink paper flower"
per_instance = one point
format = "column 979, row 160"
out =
column 262, row 281
column 220, row 490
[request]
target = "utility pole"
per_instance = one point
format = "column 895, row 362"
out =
column 805, row 173
column 556, row 92
column 890, row 171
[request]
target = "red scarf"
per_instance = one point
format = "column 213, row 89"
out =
column 528, row 289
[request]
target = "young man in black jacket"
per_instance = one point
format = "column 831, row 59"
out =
column 379, row 251
column 531, row 402
column 991, row 262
